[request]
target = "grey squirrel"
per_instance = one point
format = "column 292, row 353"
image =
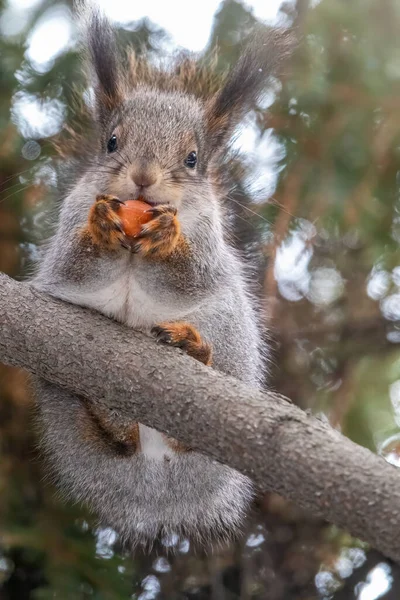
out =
column 158, row 134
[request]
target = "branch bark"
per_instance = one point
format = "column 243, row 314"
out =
column 261, row 434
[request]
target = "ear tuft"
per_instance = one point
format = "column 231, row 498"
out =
column 103, row 58
column 260, row 60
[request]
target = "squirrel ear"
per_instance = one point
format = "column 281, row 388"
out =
column 104, row 60
column 244, row 85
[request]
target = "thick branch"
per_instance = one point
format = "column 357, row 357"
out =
column 261, row 434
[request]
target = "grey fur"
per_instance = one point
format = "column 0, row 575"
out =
column 190, row 495
column 138, row 495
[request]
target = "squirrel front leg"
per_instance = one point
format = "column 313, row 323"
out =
column 87, row 253
column 161, row 239
column 104, row 228
column 181, row 257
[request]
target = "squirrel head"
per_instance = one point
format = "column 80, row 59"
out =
column 161, row 132
column 153, row 146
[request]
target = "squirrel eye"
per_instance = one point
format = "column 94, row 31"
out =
column 191, row 160
column 112, row 144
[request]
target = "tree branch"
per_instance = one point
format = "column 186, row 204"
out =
column 261, row 434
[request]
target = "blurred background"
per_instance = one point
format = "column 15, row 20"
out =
column 317, row 207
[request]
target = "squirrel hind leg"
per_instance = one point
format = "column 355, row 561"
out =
column 120, row 439
column 186, row 337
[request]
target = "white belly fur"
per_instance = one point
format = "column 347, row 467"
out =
column 126, row 302
column 152, row 443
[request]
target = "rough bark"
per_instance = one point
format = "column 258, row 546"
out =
column 261, row 434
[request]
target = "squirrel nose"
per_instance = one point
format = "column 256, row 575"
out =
column 144, row 175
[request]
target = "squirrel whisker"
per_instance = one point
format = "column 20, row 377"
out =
column 253, row 212
column 124, row 159
column 14, row 175
column 16, row 192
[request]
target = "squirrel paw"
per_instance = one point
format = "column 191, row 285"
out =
column 104, row 227
column 184, row 336
column 159, row 237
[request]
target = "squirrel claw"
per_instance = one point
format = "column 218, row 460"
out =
column 109, row 198
column 125, row 245
column 186, row 337
column 163, row 209
column 135, row 248
column 162, row 335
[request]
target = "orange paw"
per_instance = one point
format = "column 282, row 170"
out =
column 159, row 237
column 186, row 337
column 104, row 226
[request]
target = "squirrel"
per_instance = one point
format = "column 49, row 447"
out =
column 159, row 133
